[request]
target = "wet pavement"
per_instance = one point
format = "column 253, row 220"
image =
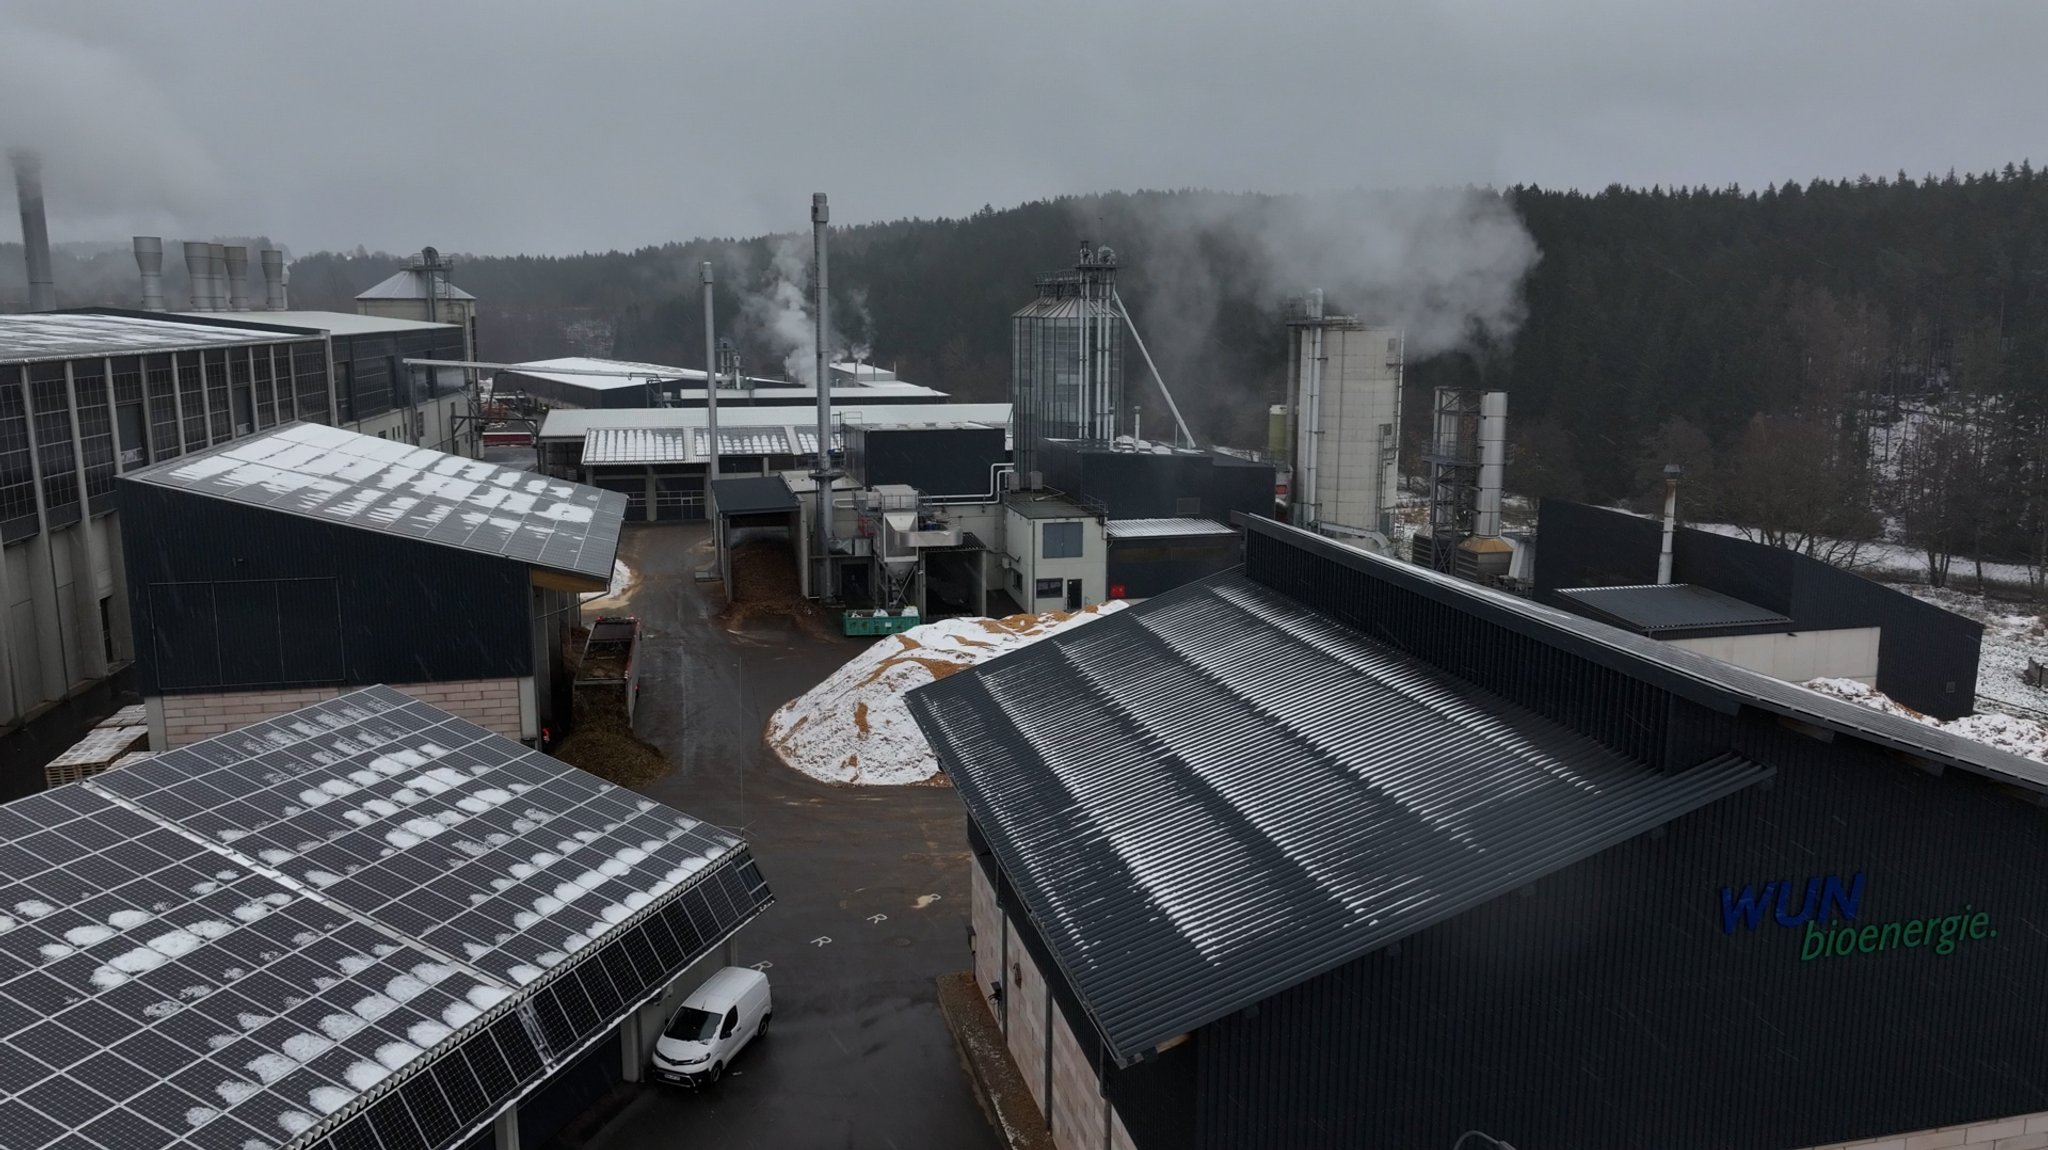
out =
column 870, row 887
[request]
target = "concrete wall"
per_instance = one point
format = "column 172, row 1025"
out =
column 51, row 627
column 439, row 428
column 2027, row 1132
column 502, row 706
column 1850, row 653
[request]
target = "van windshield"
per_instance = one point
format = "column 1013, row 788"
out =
column 691, row 1023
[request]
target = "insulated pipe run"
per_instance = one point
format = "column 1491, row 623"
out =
column 710, row 375
column 149, row 260
column 1312, row 399
column 821, row 215
column 1671, row 474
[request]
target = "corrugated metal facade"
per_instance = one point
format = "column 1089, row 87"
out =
column 207, row 578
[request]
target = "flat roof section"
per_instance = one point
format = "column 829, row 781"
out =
column 1664, row 608
column 381, row 485
column 611, row 373
column 1046, row 505
column 1214, row 795
column 43, row 336
column 1164, row 528
column 575, row 423
column 752, row 495
column 366, row 920
column 332, row 322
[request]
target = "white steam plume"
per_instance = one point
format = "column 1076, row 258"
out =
column 781, row 312
column 1446, row 266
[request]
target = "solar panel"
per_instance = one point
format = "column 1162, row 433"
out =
column 389, row 487
column 284, row 923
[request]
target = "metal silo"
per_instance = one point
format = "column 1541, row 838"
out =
column 1067, row 360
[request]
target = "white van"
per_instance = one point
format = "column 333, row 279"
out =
column 710, row 1028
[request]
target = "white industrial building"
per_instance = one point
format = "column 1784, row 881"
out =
column 1343, row 417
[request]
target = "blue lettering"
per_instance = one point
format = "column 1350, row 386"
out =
column 1746, row 908
column 1806, row 911
column 1835, row 900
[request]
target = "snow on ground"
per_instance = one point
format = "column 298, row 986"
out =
column 622, row 580
column 855, row 728
column 2007, row 733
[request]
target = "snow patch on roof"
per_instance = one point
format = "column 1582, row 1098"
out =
column 2005, row 732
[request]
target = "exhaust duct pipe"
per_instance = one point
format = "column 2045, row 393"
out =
column 274, row 298
column 237, row 261
column 35, row 229
column 216, row 277
column 821, row 215
column 149, row 259
column 196, row 256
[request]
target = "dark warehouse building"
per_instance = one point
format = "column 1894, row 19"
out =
column 1786, row 606
column 280, row 569
column 1335, row 851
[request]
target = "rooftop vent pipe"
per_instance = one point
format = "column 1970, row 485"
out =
column 35, row 229
column 149, row 258
column 821, row 214
column 237, row 259
column 217, row 277
column 196, row 255
column 274, row 297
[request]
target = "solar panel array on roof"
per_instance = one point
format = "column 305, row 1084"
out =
column 367, row 919
column 1214, row 795
column 361, row 481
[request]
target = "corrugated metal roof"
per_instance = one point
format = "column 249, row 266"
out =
column 577, row 370
column 575, row 423
column 332, row 322
column 70, row 335
column 752, row 495
column 1657, row 608
column 1164, row 528
column 392, row 488
column 1688, row 673
column 603, row 445
column 1212, row 796
column 412, row 284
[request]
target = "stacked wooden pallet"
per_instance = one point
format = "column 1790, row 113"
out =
column 115, row 741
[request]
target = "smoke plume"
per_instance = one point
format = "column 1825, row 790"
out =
column 1445, row 266
column 780, row 312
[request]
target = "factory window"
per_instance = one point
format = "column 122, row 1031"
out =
column 163, row 408
column 17, row 474
column 219, row 407
column 1061, row 541
column 53, row 443
column 265, row 387
column 1048, row 588
column 192, row 397
column 95, row 432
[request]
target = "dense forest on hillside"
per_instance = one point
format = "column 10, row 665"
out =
column 1829, row 361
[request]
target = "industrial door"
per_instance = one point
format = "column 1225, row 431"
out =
column 1073, row 594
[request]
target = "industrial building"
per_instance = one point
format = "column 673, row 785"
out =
column 1342, row 423
column 422, row 293
column 581, row 381
column 306, row 933
column 86, row 397
column 264, row 573
column 1336, row 851
column 1776, row 611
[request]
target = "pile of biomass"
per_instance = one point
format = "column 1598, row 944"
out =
column 603, row 742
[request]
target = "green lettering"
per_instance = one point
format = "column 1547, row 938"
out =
column 1866, row 939
column 1913, row 929
column 1978, row 922
column 1888, row 937
column 1951, row 930
column 1814, row 944
column 1845, row 941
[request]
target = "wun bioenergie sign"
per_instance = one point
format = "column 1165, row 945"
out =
column 1828, row 910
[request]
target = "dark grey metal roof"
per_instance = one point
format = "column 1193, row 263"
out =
column 1215, row 795
column 311, row 926
column 70, row 335
column 752, row 495
column 1687, row 673
column 1659, row 608
column 393, row 488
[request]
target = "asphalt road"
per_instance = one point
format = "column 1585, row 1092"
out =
column 870, row 888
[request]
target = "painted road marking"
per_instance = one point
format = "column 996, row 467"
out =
column 925, row 900
column 875, row 918
column 822, row 940
column 764, row 964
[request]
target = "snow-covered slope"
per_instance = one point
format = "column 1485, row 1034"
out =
column 854, row 726
column 2019, row 736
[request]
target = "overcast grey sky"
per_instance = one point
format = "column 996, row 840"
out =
column 552, row 126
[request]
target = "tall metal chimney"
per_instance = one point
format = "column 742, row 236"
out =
column 35, row 228
column 274, row 297
column 197, row 256
column 238, row 277
column 1671, row 473
column 217, row 277
column 710, row 375
column 1493, row 435
column 821, row 214
column 149, row 257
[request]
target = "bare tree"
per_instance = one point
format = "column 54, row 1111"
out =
column 1791, row 484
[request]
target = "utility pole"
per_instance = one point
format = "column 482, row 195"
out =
column 710, row 377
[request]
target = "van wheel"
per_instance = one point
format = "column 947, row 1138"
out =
column 717, row 1068
column 763, row 1031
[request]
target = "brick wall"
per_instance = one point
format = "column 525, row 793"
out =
column 2027, row 1132
column 489, row 703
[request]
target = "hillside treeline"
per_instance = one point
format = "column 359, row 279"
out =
column 1829, row 361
